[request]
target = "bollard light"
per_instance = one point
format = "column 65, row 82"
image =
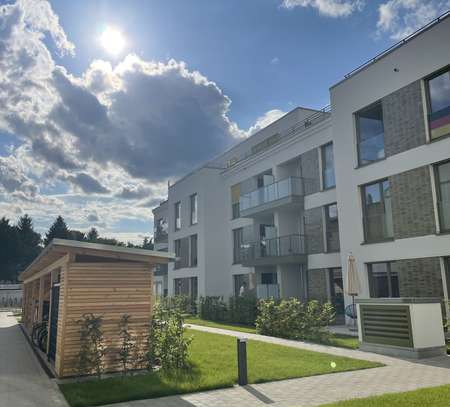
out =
column 242, row 361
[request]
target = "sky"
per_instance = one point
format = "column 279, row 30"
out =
column 103, row 102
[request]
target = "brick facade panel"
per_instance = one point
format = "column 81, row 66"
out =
column 412, row 203
column 309, row 164
column 314, row 230
column 403, row 118
column 317, row 285
column 419, row 277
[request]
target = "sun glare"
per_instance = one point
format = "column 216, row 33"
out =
column 112, row 41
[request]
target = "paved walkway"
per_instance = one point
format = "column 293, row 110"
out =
column 398, row 375
column 23, row 383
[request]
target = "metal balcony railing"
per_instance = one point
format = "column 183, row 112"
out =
column 289, row 245
column 160, row 235
column 279, row 189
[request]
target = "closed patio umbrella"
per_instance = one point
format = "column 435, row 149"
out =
column 353, row 286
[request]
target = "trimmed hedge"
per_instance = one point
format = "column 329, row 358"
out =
column 292, row 319
column 239, row 310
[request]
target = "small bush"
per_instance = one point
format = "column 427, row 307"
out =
column 127, row 345
column 184, row 303
column 168, row 347
column 292, row 319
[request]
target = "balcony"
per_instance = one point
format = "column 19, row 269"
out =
column 289, row 249
column 286, row 192
column 160, row 235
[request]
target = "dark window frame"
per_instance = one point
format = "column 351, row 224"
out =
column 322, row 154
column 193, row 198
column 177, row 209
column 357, row 128
column 193, row 259
column 327, row 222
column 237, row 251
column 389, row 278
column 364, row 210
column 439, row 195
column 427, row 80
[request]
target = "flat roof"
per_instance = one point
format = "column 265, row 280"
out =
column 58, row 248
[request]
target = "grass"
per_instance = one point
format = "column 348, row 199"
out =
column 213, row 360
column 341, row 341
column 433, row 396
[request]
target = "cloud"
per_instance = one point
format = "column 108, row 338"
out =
column 92, row 218
column 399, row 18
column 264, row 120
column 329, row 8
column 135, row 192
column 275, row 61
column 87, row 184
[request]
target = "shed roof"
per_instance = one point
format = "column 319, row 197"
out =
column 60, row 247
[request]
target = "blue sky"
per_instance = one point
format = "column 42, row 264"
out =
column 95, row 137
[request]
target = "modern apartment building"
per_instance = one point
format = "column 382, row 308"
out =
column 279, row 213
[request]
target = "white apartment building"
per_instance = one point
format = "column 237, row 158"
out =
column 279, row 213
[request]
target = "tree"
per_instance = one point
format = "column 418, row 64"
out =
column 77, row 235
column 92, row 235
column 9, row 251
column 29, row 242
column 58, row 230
column 147, row 243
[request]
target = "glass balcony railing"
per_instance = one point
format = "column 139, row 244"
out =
column 277, row 190
column 160, row 235
column 276, row 247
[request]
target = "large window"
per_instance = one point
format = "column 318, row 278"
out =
column 332, row 227
column 193, row 251
column 328, row 178
column 178, row 216
column 383, row 281
column 378, row 224
column 187, row 286
column 443, row 192
column 235, row 197
column 194, row 204
column 370, row 134
column 237, row 245
column 241, row 284
column 439, row 104
column 182, row 253
column 160, row 230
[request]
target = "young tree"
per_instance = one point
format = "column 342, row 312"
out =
column 58, row 230
column 29, row 241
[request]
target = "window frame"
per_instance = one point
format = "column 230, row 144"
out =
column 358, row 139
column 193, row 198
column 237, row 256
column 364, row 210
column 327, row 220
column 322, row 156
column 442, row 229
column 428, row 101
column 389, row 280
column 177, row 208
column 193, row 263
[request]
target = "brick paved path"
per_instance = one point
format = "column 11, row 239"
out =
column 398, row 375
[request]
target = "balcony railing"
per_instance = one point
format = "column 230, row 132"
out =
column 265, row 291
column 291, row 186
column 291, row 245
column 160, row 235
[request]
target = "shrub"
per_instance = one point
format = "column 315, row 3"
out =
column 127, row 344
column 294, row 320
column 168, row 346
column 243, row 310
column 92, row 349
column 184, row 303
column 212, row 308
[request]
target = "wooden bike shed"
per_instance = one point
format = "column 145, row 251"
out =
column 71, row 278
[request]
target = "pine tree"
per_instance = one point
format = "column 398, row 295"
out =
column 29, row 241
column 9, row 251
column 58, row 230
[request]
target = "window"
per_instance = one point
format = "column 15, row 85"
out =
column 370, row 134
column 160, row 232
column 193, row 244
column 439, row 104
column 328, row 179
column 237, row 245
column 194, row 202
column 177, row 253
column 442, row 172
column 187, row 286
column 178, row 216
column 241, row 284
column 182, row 253
column 377, row 209
column 235, row 197
column 383, row 281
column 268, row 278
column 332, row 228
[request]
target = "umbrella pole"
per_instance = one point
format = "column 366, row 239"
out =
column 353, row 302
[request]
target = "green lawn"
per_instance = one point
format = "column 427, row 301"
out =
column 213, row 358
column 433, row 396
column 342, row 341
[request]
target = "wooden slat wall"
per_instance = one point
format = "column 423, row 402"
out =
column 109, row 290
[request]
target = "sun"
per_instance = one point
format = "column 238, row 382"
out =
column 112, row 41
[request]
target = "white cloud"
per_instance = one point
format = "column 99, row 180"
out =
column 399, row 18
column 264, row 120
column 275, row 61
column 329, row 8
